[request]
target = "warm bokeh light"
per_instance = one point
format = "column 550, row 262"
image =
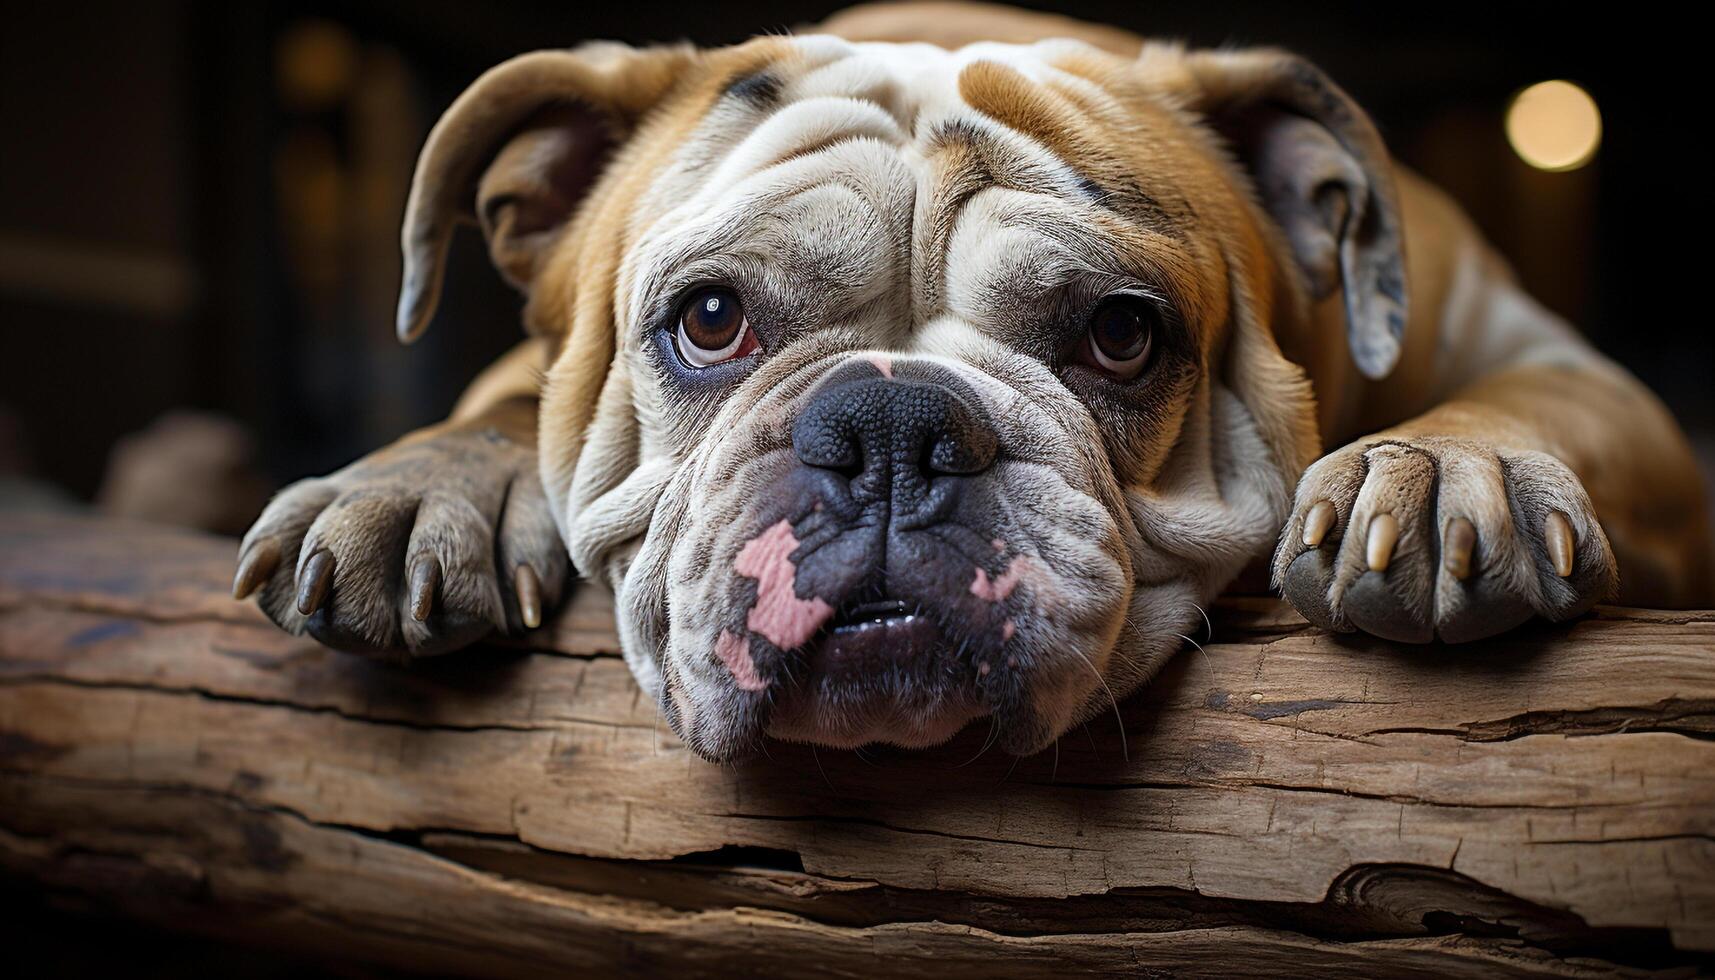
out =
column 316, row 64
column 1554, row 126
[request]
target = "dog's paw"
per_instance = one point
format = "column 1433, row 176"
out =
column 420, row 548
column 1444, row 538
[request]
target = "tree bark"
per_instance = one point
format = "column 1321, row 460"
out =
column 1283, row 801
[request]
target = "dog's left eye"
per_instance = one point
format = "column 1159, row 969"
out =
column 713, row 328
column 1120, row 334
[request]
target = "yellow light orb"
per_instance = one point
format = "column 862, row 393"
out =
column 316, row 63
column 1554, row 126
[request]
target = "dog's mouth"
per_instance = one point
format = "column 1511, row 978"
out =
column 880, row 670
column 866, row 639
column 864, row 616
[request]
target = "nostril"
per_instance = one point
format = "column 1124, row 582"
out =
column 850, row 466
column 966, row 451
column 929, row 459
column 844, row 460
column 914, row 429
column 827, row 443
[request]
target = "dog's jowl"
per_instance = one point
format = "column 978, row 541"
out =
column 891, row 385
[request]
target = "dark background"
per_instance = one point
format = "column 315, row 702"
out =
column 199, row 208
column 199, row 201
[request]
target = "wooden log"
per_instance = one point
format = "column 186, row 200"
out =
column 1541, row 804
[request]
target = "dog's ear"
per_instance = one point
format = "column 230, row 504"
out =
column 517, row 152
column 1323, row 173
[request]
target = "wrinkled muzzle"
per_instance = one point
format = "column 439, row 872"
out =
column 914, row 550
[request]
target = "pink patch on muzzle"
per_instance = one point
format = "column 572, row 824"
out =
column 996, row 590
column 734, row 651
column 779, row 615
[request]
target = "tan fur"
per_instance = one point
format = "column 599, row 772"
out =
column 954, row 25
column 616, row 81
column 1001, row 92
column 1110, row 154
column 585, row 265
column 1614, row 434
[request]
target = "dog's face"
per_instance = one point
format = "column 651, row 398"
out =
column 902, row 387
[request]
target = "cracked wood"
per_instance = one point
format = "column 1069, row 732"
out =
column 1559, row 777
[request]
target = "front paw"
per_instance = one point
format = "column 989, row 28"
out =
column 420, row 548
column 1432, row 537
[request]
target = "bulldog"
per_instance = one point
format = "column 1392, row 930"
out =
column 942, row 362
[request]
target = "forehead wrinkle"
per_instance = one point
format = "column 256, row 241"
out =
column 716, row 127
column 863, row 79
column 800, row 129
column 772, row 158
column 1003, row 94
column 1062, row 124
column 1064, row 232
column 731, row 223
column 955, row 172
column 1045, row 119
column 1159, row 137
column 964, row 155
column 1021, row 251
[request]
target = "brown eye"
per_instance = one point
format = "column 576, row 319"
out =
column 713, row 328
column 1121, row 332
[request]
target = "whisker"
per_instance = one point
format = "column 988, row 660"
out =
column 1208, row 627
column 1125, row 748
column 988, row 742
column 818, row 757
column 1208, row 667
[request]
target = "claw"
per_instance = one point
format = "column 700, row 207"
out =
column 1557, row 534
column 1317, row 523
column 256, row 567
column 529, row 589
column 1384, row 534
column 425, row 580
column 1456, row 547
column 315, row 581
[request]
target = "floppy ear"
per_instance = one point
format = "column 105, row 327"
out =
column 1323, row 173
column 517, row 152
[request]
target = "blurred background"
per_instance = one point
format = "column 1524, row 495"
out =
column 199, row 207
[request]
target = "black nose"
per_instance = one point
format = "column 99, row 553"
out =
column 892, row 438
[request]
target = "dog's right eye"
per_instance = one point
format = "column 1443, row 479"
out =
column 713, row 328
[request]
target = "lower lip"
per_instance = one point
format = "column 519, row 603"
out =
column 857, row 648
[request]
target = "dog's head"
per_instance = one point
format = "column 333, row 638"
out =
column 899, row 386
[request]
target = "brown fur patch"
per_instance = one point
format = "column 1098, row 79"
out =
column 1004, row 94
column 580, row 280
column 954, row 25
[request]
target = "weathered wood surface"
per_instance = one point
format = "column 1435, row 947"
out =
column 1539, row 805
